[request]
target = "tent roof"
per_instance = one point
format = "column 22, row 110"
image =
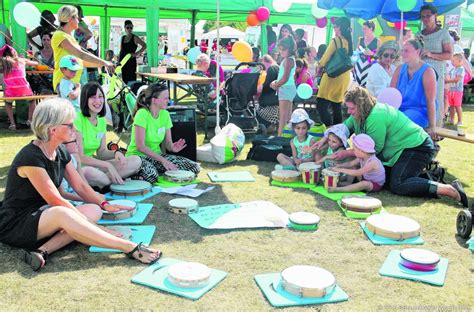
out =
column 224, row 32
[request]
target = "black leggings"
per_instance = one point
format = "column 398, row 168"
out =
column 323, row 106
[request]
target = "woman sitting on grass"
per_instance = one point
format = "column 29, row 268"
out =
column 34, row 216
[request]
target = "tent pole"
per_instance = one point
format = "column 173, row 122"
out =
column 104, row 32
column 401, row 28
column 152, row 34
column 218, row 61
column 193, row 29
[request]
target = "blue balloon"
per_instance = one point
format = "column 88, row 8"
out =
column 193, row 53
column 304, row 91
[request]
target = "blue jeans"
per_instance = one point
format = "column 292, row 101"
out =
column 404, row 175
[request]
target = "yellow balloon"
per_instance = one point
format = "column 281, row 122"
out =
column 94, row 21
column 261, row 78
column 242, row 51
column 390, row 24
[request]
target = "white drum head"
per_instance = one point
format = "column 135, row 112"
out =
column 184, row 203
column 286, row 175
column 389, row 225
column 179, row 174
column 361, row 203
column 304, row 218
column 188, row 274
column 330, row 173
column 309, row 277
column 420, row 256
column 307, row 166
column 123, row 202
column 130, row 186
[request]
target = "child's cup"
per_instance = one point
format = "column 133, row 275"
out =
column 331, row 178
column 462, row 130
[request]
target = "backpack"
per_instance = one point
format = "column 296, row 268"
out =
column 467, row 77
column 339, row 63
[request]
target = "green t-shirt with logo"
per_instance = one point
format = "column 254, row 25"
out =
column 155, row 130
column 91, row 135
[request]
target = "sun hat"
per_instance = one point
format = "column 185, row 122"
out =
column 300, row 115
column 70, row 62
column 364, row 143
column 341, row 131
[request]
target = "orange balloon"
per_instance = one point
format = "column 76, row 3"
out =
column 252, row 19
column 242, row 51
column 93, row 22
column 261, row 78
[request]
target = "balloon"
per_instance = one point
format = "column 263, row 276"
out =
column 262, row 78
column 93, row 21
column 406, row 5
column 27, row 15
column 333, row 20
column 318, row 12
column 193, row 53
column 390, row 96
column 390, row 24
column 398, row 25
column 321, row 22
column 252, row 19
column 304, row 91
column 242, row 51
column 281, row 5
column 263, row 13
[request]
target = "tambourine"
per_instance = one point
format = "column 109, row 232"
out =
column 179, row 176
column 122, row 214
column 183, row 205
column 419, row 259
column 286, row 175
column 393, row 226
column 131, row 188
column 331, row 178
column 303, row 221
column 308, row 281
column 124, row 230
column 189, row 275
column 310, row 172
column 365, row 204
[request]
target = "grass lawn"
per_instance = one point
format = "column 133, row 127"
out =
column 75, row 279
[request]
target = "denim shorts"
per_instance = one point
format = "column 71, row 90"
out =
column 287, row 93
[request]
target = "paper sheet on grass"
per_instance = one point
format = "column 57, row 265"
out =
column 256, row 214
column 187, row 190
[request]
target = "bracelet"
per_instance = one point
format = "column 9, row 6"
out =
column 102, row 205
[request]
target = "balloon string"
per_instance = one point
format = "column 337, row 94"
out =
column 18, row 47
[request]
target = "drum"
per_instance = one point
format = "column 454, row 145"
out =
column 303, row 221
column 308, row 281
column 183, row 205
column 419, row 259
column 122, row 214
column 179, row 176
column 310, row 172
column 393, row 226
column 364, row 204
column 286, row 175
column 124, row 230
column 331, row 178
column 131, row 188
column 189, row 275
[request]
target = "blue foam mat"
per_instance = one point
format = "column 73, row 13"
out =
column 379, row 240
column 155, row 276
column 140, row 234
column 392, row 268
column 154, row 191
column 138, row 218
column 471, row 244
column 280, row 298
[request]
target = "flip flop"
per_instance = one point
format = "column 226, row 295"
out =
column 35, row 259
column 458, row 186
column 142, row 249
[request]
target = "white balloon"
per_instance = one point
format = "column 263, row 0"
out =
column 27, row 15
column 318, row 12
column 281, row 5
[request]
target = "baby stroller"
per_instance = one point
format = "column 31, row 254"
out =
column 240, row 106
column 464, row 222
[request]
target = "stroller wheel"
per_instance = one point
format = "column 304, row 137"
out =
column 464, row 223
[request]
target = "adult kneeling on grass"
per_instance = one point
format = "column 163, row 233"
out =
column 403, row 147
column 34, row 215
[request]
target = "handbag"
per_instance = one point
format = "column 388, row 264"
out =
column 339, row 63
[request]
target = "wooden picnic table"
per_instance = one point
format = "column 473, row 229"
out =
column 39, row 72
column 453, row 134
column 27, row 98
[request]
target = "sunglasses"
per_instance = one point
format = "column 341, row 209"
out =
column 70, row 125
column 387, row 55
column 129, row 27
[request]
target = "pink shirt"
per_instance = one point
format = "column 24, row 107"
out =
column 300, row 77
column 15, row 81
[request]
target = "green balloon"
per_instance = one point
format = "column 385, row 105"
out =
column 406, row 5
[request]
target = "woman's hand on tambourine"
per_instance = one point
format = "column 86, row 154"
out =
column 114, row 207
column 178, row 145
column 113, row 174
column 169, row 165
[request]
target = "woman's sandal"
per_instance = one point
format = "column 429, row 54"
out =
column 140, row 248
column 458, row 186
column 36, row 259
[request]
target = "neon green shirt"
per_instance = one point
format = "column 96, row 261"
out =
column 155, row 130
column 91, row 135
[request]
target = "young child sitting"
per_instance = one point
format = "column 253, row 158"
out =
column 337, row 141
column 301, row 143
column 208, row 91
column 371, row 172
column 68, row 89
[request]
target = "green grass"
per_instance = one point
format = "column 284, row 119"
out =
column 75, row 279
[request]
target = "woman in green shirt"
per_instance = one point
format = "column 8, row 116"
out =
column 105, row 167
column 404, row 147
column 151, row 126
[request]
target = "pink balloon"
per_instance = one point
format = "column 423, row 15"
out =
column 263, row 13
column 398, row 25
column 321, row 22
column 390, row 96
column 333, row 20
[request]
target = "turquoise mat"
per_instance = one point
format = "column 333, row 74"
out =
column 379, row 240
column 392, row 268
column 281, row 298
column 138, row 218
column 298, row 184
column 162, row 182
column 138, row 198
column 358, row 215
column 334, row 196
column 155, row 276
column 140, row 234
column 235, row 176
column 471, row 244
